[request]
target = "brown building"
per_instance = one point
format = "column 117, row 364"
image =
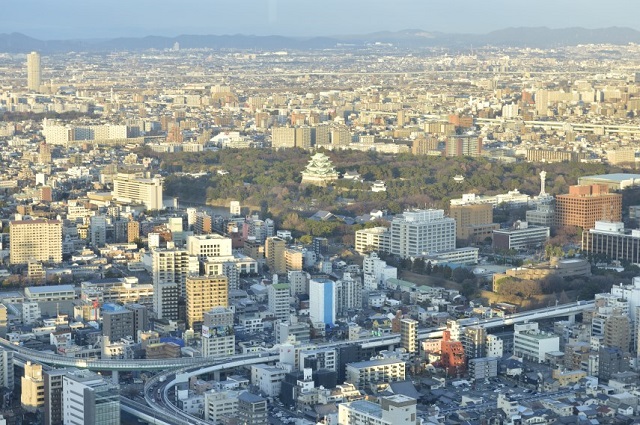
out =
column 463, row 146
column 133, row 231
column 584, row 205
column 424, row 146
column 617, row 332
column 274, row 249
column 474, row 223
column 203, row 294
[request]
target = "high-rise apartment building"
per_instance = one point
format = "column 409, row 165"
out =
column 274, row 249
column 130, row 188
column 203, row 294
column 169, row 271
column 409, row 335
column 39, row 240
column 584, row 205
column 283, row 137
column 7, row 379
column 419, row 232
column 322, row 301
column 278, row 296
column 53, row 384
column 467, row 145
column 34, row 71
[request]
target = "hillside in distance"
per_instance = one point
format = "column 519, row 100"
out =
column 538, row 37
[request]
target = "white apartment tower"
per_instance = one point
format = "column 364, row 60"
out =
column 34, row 71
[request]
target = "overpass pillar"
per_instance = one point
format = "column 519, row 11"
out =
column 115, row 377
column 391, row 347
column 572, row 318
column 216, row 375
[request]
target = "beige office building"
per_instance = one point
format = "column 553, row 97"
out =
column 203, row 294
column 32, row 397
column 474, row 223
column 39, row 240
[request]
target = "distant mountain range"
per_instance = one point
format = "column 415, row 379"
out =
column 540, row 37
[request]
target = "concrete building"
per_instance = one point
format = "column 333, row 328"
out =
column 128, row 188
column 584, row 205
column 363, row 374
column 267, row 378
column 212, row 245
column 612, row 240
column 420, row 232
column 274, row 252
column 203, row 294
column 39, row 240
column 409, row 335
column 397, row 409
column 322, row 301
column 34, row 72
column 252, row 409
column 482, row 368
column 474, row 223
column 170, row 268
column 7, row 376
column 474, row 341
column 611, row 360
column 617, row 331
column 218, row 337
column 521, row 236
column 117, row 322
column 278, row 296
column 463, row 145
column 32, row 396
column 219, row 405
column 348, row 294
column 89, row 399
column 533, row 344
column 53, row 385
column 372, row 239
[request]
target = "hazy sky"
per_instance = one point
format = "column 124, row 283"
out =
column 50, row 19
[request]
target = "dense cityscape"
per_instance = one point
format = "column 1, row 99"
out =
column 370, row 235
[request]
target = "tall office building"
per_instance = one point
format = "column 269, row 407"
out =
column 322, row 301
column 39, row 240
column 89, row 399
column 419, row 232
column 617, row 331
column 213, row 245
column 34, row 71
column 584, row 205
column 283, row 137
column 474, row 342
column 274, row 248
column 53, row 384
column 203, row 294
